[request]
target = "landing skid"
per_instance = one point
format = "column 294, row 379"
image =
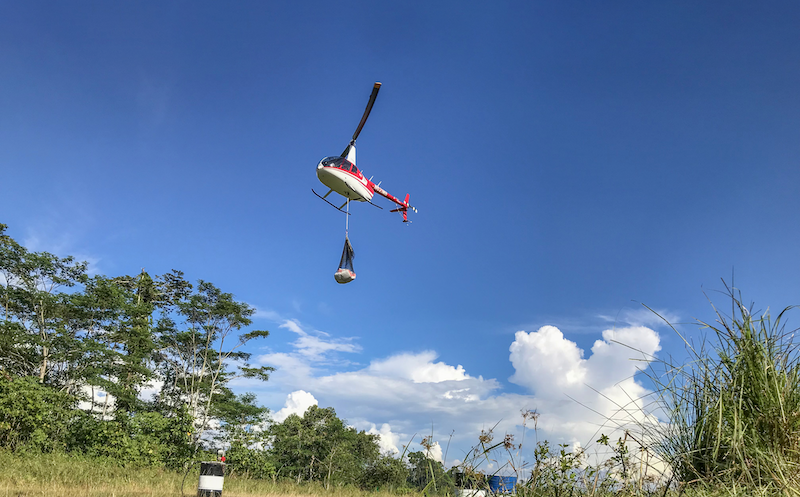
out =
column 340, row 208
column 328, row 202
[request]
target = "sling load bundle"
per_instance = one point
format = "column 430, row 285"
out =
column 346, row 273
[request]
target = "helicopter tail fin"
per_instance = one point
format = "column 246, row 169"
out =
column 404, row 208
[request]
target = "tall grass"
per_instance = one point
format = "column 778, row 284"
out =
column 733, row 408
column 730, row 424
column 62, row 475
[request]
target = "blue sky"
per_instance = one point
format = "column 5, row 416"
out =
column 569, row 160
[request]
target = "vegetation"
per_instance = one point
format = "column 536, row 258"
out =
column 60, row 475
column 734, row 407
column 77, row 351
column 65, row 337
column 730, row 425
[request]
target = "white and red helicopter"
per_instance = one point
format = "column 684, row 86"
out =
column 340, row 174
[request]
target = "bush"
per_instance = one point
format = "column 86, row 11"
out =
column 320, row 447
column 34, row 416
column 134, row 439
column 385, row 473
column 249, row 462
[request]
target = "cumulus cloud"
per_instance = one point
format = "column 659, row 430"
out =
column 546, row 362
column 553, row 367
column 387, row 440
column 577, row 393
column 298, row 403
column 435, row 452
column 418, row 368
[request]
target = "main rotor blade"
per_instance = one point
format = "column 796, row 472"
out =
column 371, row 102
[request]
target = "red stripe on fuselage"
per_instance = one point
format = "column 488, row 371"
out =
column 346, row 183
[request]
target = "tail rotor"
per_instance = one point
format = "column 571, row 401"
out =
column 404, row 207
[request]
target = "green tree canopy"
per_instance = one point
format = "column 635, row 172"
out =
column 320, row 447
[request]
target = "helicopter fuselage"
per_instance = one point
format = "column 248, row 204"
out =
column 343, row 177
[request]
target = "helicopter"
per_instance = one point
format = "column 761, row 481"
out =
column 340, row 174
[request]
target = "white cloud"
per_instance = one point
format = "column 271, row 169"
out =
column 310, row 352
column 546, row 362
column 265, row 314
column 289, row 369
column 298, row 403
column 642, row 316
column 578, row 394
column 316, row 347
column 61, row 245
column 418, row 368
column 435, row 452
column 553, row 368
column 387, row 440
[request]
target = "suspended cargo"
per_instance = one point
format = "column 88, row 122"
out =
column 346, row 273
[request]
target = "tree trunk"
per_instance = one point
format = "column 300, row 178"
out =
column 45, row 349
column 43, row 367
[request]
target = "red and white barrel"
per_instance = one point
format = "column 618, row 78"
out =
column 212, row 476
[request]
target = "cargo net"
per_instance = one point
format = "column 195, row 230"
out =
column 346, row 273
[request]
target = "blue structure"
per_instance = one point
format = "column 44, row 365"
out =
column 502, row 484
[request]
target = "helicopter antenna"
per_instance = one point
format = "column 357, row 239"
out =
column 371, row 102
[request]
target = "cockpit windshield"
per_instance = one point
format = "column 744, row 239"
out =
column 339, row 163
column 332, row 161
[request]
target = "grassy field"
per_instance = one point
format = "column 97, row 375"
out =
column 58, row 475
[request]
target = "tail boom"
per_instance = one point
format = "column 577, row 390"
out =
column 402, row 206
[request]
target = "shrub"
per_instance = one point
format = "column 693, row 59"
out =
column 249, row 462
column 34, row 416
column 134, row 439
column 385, row 473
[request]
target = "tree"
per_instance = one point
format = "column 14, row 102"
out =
column 15, row 357
column 115, row 318
column 37, row 336
column 195, row 359
column 320, row 447
column 67, row 332
column 141, row 438
column 244, row 431
column 242, row 421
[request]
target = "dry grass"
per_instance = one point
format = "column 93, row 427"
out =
column 59, row 475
